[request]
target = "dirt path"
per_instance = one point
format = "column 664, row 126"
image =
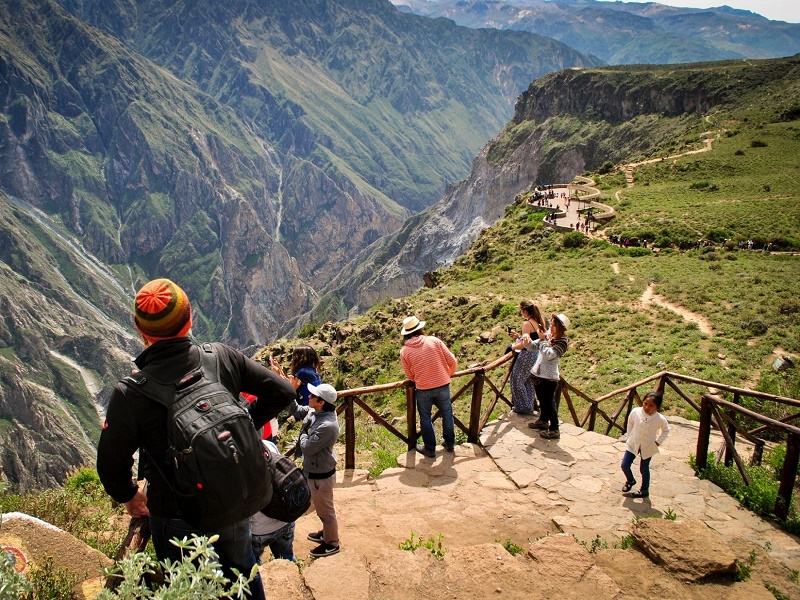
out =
column 649, row 297
column 629, row 167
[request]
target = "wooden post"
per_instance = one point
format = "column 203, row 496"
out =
column 475, row 408
column 703, row 434
column 661, row 383
column 350, row 434
column 592, row 416
column 788, row 476
column 731, row 433
column 411, row 417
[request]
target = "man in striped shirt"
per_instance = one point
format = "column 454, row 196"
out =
column 429, row 364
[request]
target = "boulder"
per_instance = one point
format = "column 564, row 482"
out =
column 689, row 550
column 31, row 540
column 567, row 570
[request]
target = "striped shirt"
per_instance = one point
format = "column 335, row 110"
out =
column 427, row 362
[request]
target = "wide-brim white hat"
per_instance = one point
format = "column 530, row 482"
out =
column 563, row 319
column 411, row 324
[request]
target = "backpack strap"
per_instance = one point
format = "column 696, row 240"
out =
column 164, row 393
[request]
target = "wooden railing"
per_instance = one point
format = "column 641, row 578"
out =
column 724, row 415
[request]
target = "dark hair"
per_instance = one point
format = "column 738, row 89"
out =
column 655, row 397
column 413, row 334
column 559, row 325
column 529, row 307
column 327, row 406
column 304, row 356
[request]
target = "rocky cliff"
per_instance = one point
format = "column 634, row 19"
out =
column 564, row 123
column 247, row 150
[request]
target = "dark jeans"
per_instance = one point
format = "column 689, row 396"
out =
column 233, row 547
column 546, row 393
column 440, row 398
column 644, row 469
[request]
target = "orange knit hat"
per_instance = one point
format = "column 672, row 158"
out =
column 162, row 311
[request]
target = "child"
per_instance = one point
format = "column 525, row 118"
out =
column 318, row 434
column 647, row 430
column 266, row 531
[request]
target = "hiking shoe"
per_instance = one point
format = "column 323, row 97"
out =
column 640, row 494
column 315, row 537
column 538, row 424
column 324, row 550
column 551, row 435
column 424, row 451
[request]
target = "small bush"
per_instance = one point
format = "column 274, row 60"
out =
column 758, row 144
column 433, row 545
column 739, row 152
column 511, row 547
column 198, row 575
column 575, row 239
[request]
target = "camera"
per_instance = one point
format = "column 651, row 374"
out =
column 509, row 328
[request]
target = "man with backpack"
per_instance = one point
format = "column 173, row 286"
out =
column 199, row 448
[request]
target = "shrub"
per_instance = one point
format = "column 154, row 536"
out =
column 606, row 168
column 198, row 575
column 739, row 152
column 12, row 584
column 575, row 239
column 433, row 545
column 758, row 144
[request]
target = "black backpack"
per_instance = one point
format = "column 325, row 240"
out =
column 220, row 472
column 290, row 494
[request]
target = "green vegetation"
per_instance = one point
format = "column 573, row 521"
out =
column 80, row 508
column 197, row 576
column 761, row 494
column 511, row 547
column 434, row 546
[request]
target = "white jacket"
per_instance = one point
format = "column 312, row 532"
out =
column 643, row 432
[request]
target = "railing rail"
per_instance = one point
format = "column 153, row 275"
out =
column 711, row 408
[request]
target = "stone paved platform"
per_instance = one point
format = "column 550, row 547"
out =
column 577, row 481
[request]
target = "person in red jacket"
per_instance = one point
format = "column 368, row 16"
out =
column 429, row 364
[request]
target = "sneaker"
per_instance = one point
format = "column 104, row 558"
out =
column 640, row 494
column 551, row 435
column 424, row 451
column 449, row 448
column 538, row 424
column 315, row 537
column 324, row 550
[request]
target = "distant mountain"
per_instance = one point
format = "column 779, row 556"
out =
column 565, row 123
column 246, row 149
column 628, row 32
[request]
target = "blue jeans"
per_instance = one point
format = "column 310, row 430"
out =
column 440, row 398
column 279, row 542
column 644, row 469
column 233, row 547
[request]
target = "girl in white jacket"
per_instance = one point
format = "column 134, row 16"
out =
column 647, row 430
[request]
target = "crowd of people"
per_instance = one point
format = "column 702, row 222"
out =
column 137, row 423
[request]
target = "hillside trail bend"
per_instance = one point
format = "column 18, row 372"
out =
column 515, row 486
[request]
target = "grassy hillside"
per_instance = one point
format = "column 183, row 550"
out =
column 744, row 188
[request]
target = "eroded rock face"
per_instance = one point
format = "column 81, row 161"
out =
column 687, row 549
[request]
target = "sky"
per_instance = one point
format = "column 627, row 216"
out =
column 777, row 10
